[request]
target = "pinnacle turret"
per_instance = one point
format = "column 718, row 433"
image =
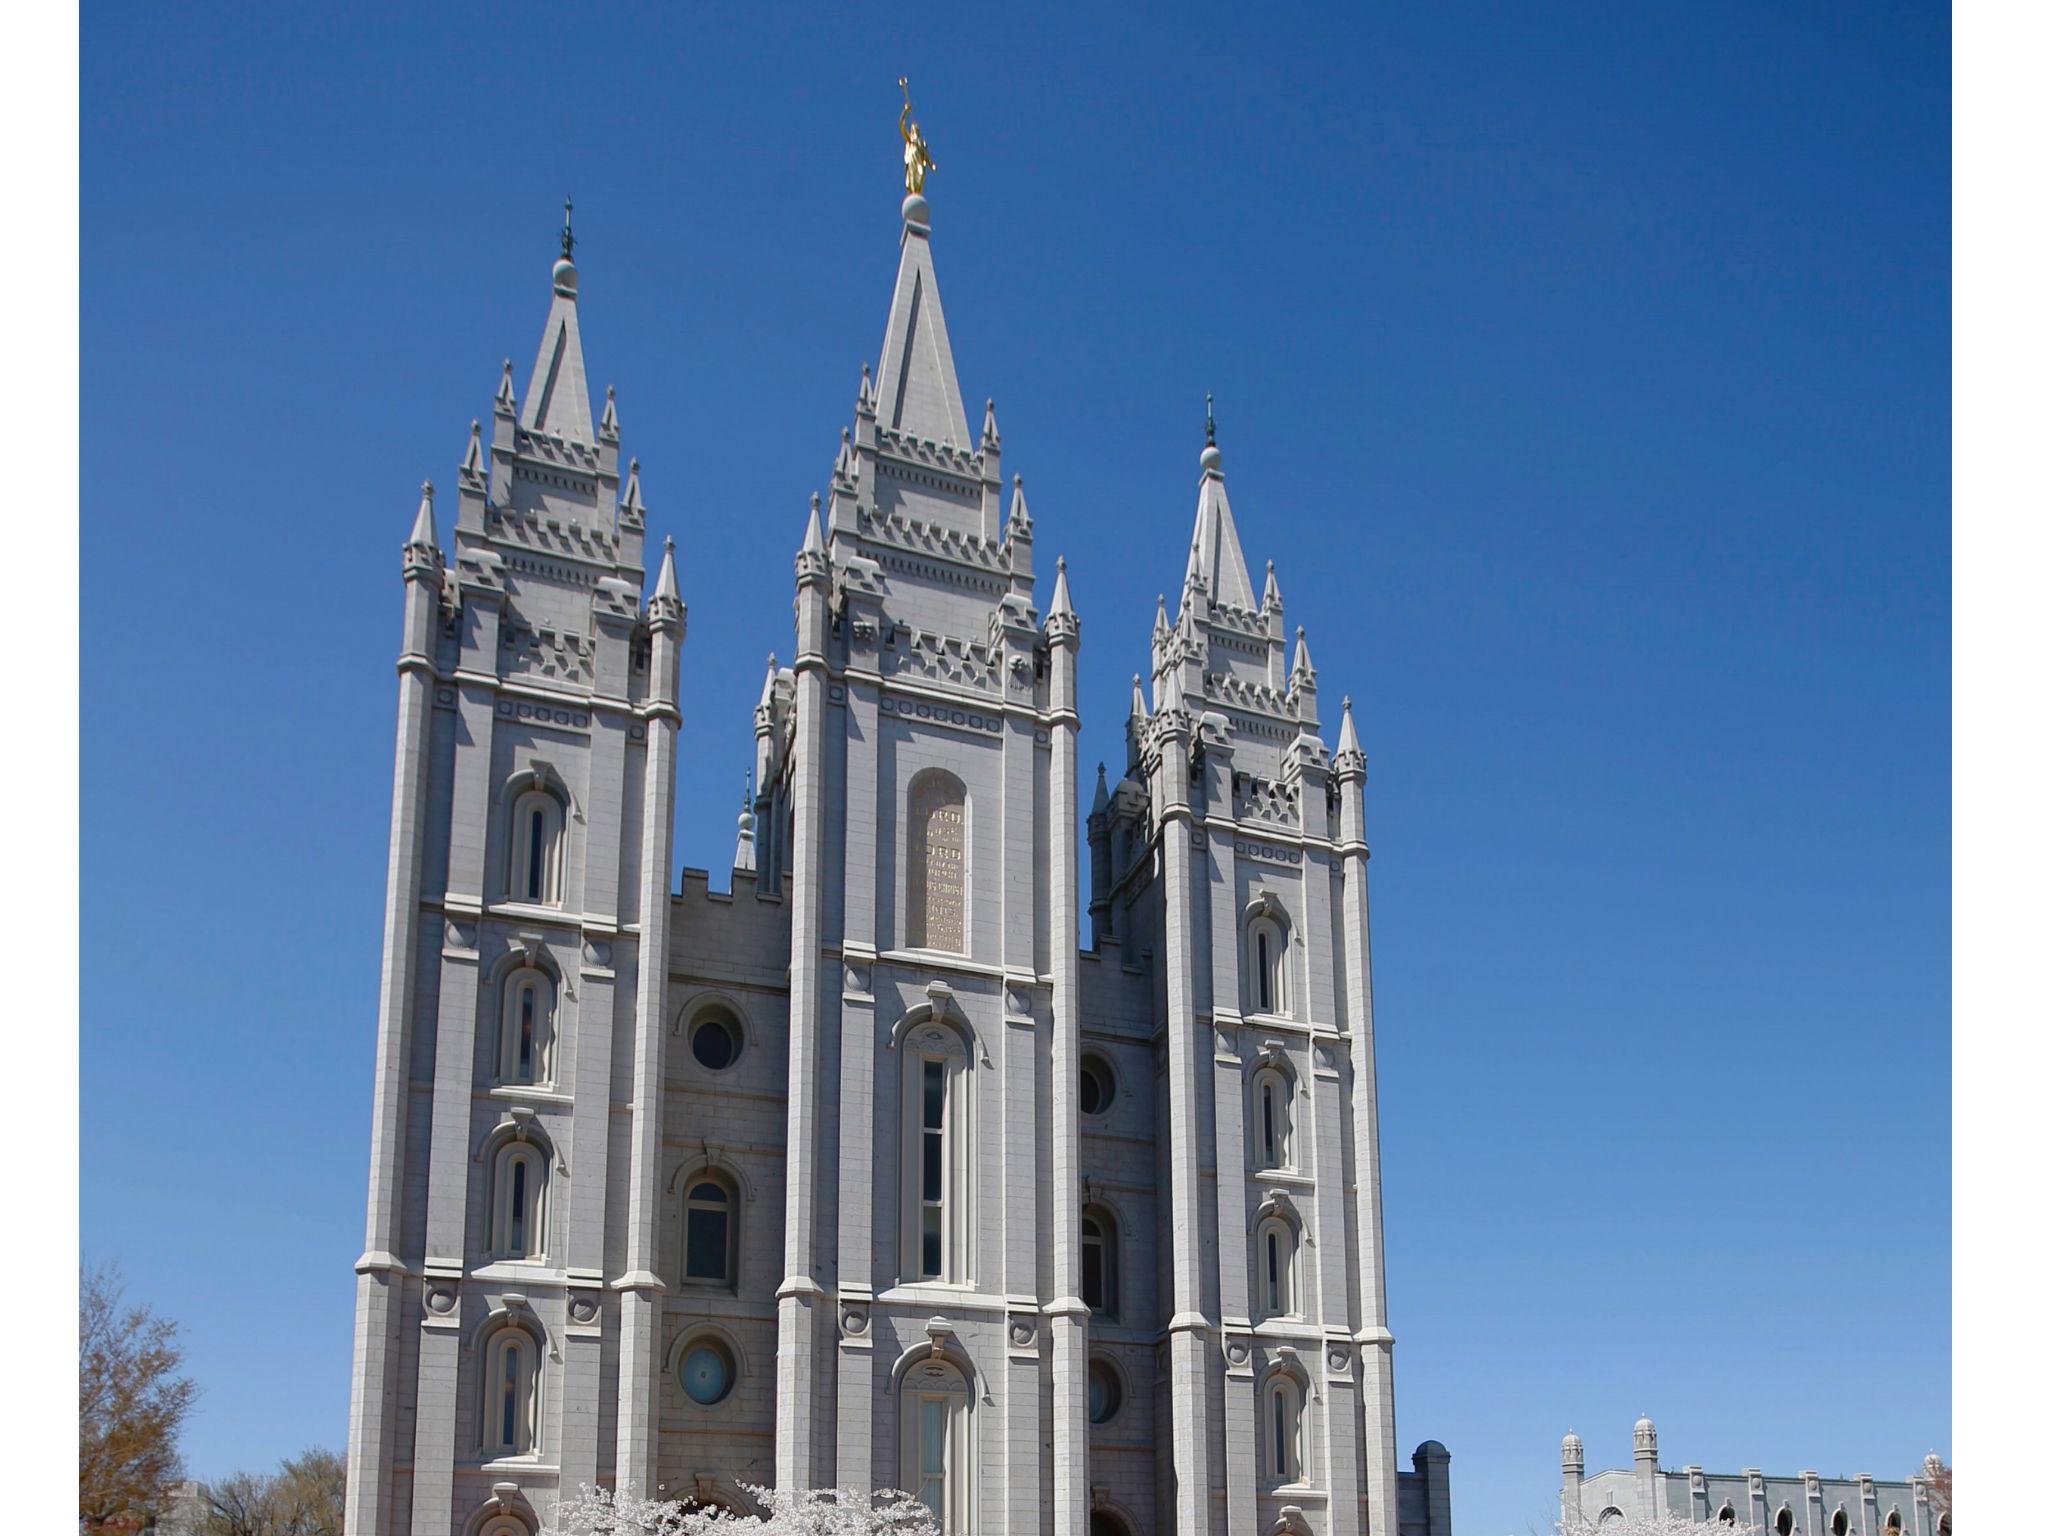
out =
column 1101, row 802
column 1347, row 734
column 422, row 535
column 1303, row 667
column 1270, row 598
column 473, row 455
column 814, row 534
column 990, row 436
column 1062, row 601
column 609, row 426
column 1138, row 698
column 665, row 583
column 505, row 401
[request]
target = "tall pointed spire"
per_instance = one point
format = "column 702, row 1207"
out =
column 814, row 535
column 1270, row 598
column 1215, row 553
column 557, row 395
column 918, row 391
column 1137, row 697
column 1101, row 792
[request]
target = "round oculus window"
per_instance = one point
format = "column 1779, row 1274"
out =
column 707, row 1373
column 1105, row 1392
column 1098, row 1085
column 715, row 1042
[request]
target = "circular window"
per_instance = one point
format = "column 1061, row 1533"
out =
column 1105, row 1392
column 715, row 1042
column 1098, row 1085
column 708, row 1372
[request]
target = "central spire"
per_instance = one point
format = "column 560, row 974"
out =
column 1215, row 553
column 557, row 395
column 919, row 393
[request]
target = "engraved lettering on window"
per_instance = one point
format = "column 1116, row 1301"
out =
column 938, row 863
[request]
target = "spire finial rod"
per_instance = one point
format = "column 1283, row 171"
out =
column 568, row 233
column 1212, row 420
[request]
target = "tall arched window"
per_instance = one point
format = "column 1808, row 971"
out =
column 511, row 1397
column 1265, row 959
column 519, row 1177
column 935, row 1442
column 1280, row 1433
column 526, row 1028
column 1272, row 1119
column 1273, row 1249
column 1893, row 1522
column 936, row 848
column 534, row 873
column 1839, row 1526
column 1784, row 1521
column 1727, row 1515
column 935, row 1155
column 1100, row 1262
column 711, row 1231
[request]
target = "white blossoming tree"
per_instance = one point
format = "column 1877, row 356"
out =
column 1656, row 1525
column 834, row 1512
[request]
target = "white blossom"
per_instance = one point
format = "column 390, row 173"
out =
column 1655, row 1525
column 827, row 1512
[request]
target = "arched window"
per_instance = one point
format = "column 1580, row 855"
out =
column 1893, row 1522
column 935, row 1166
column 1280, row 1433
column 1273, row 1251
column 511, row 1396
column 1100, row 1286
column 936, row 848
column 534, row 873
column 711, row 1231
column 1727, row 1515
column 935, row 1442
column 1272, row 1119
column 1784, row 1522
column 526, row 1028
column 1266, row 964
column 1105, row 1391
column 1839, row 1526
column 1610, row 1516
column 519, row 1177
column 1942, row 1527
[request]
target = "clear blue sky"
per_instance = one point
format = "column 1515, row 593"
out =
column 1585, row 368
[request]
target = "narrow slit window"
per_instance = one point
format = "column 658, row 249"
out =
column 932, row 1199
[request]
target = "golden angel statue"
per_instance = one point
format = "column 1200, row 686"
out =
column 917, row 155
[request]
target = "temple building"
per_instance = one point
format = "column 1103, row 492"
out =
column 875, row 1170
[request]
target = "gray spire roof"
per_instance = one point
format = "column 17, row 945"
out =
column 558, row 396
column 1062, row 603
column 918, row 392
column 665, row 583
column 1215, row 553
column 1347, row 738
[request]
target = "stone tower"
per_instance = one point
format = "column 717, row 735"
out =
column 933, row 964
column 524, row 959
column 1232, row 856
column 862, row 1172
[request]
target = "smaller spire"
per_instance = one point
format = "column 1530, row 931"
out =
column 422, row 536
column 473, row 456
column 1170, row 695
column 1271, row 597
column 1137, row 697
column 865, row 400
column 1020, row 514
column 505, row 400
column 1347, row 735
column 743, row 849
column 768, row 684
column 1302, row 665
column 1062, row 602
column 989, row 432
column 609, row 427
column 1160, row 627
column 1101, row 792
column 665, row 583
column 814, row 537
column 630, row 503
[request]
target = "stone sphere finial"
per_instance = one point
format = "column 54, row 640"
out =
column 1212, row 458
column 565, row 277
column 916, row 211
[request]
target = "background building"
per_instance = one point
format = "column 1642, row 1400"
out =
column 864, row 1172
column 1805, row 1503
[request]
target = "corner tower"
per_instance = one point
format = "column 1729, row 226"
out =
column 930, row 1331
column 1233, row 859
column 498, row 1300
